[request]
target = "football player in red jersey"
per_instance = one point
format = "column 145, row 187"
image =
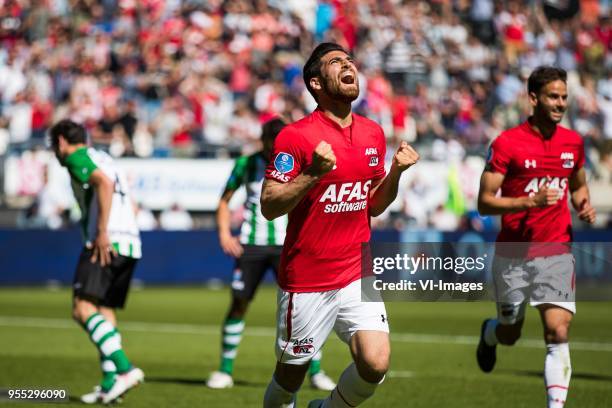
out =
column 536, row 165
column 327, row 172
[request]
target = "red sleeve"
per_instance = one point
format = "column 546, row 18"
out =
column 498, row 159
column 288, row 157
column 379, row 171
column 581, row 158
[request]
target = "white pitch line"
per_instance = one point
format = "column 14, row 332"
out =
column 147, row 327
column 400, row 374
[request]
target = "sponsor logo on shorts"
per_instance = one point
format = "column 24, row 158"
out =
column 563, row 295
column 305, row 349
column 303, row 346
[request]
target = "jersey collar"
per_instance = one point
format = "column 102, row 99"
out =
column 323, row 118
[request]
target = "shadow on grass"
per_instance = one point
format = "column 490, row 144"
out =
column 575, row 375
column 200, row 382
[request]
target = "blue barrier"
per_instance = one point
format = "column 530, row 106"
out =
column 39, row 256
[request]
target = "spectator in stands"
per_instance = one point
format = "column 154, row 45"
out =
column 5, row 136
column 175, row 218
column 145, row 219
column 192, row 79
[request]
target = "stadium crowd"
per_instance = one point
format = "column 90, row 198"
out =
column 196, row 78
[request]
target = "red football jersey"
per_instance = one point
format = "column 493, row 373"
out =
column 527, row 160
column 322, row 249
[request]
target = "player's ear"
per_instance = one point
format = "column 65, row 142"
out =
column 315, row 83
column 533, row 99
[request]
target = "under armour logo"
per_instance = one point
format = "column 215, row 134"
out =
column 384, row 318
column 530, row 163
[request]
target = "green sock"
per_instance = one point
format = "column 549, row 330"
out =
column 315, row 367
column 108, row 341
column 232, row 334
column 109, row 371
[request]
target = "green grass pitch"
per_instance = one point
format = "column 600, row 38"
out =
column 174, row 335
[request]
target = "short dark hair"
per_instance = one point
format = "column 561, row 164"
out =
column 312, row 67
column 544, row 75
column 71, row 131
column 272, row 128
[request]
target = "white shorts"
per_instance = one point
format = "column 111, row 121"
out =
column 305, row 320
column 542, row 280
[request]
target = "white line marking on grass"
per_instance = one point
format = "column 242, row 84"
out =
column 173, row 328
column 400, row 374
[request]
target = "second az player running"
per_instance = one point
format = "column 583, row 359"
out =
column 327, row 173
column 536, row 165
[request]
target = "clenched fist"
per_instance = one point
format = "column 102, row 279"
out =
column 546, row 195
column 405, row 157
column 323, row 159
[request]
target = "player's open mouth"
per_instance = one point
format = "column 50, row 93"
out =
column 347, row 77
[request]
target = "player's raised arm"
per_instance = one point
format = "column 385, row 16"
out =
column 384, row 194
column 280, row 198
column 489, row 203
column 105, row 188
column 581, row 199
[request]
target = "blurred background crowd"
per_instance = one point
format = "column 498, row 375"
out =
column 197, row 78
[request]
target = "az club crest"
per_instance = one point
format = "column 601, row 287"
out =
column 568, row 160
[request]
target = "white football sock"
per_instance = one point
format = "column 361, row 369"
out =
column 278, row 397
column 351, row 390
column 489, row 333
column 557, row 374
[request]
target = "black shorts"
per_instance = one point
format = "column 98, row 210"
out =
column 104, row 286
column 251, row 267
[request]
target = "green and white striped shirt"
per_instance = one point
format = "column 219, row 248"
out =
column 122, row 228
column 255, row 230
